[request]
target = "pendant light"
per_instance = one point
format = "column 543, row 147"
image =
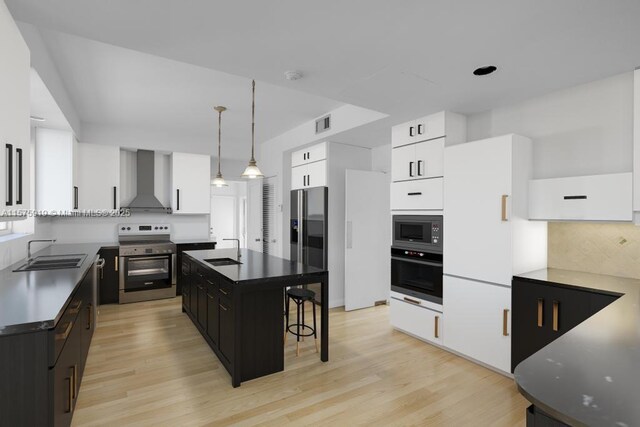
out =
column 252, row 170
column 219, row 181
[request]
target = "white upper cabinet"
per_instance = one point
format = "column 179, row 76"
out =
column 309, row 175
column 587, row 198
column 98, row 177
column 314, row 153
column 14, row 120
column 438, row 125
column 418, row 161
column 190, row 183
column 488, row 236
column 57, row 186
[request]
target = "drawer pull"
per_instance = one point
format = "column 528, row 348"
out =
column 435, row 332
column 75, row 309
column 222, row 291
column 505, row 321
column 417, row 193
column 412, row 301
column 116, row 264
column 74, row 375
column 582, row 197
column 70, row 395
column 556, row 312
column 540, row 312
column 223, row 307
column 65, row 334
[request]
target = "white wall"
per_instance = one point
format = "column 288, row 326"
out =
column 582, row 130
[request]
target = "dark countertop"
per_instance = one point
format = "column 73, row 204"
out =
column 35, row 300
column 255, row 266
column 192, row 241
column 590, row 375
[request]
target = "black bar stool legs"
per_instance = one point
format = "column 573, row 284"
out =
column 299, row 329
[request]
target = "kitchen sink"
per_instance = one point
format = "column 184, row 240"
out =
column 218, row 262
column 53, row 262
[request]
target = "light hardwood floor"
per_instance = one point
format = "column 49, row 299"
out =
column 149, row 366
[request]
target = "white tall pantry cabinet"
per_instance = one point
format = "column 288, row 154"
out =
column 487, row 240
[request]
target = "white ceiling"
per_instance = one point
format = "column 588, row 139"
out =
column 402, row 58
column 44, row 105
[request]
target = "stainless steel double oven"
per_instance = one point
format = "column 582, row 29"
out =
column 416, row 256
column 147, row 263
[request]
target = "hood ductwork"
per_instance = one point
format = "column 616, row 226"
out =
column 145, row 200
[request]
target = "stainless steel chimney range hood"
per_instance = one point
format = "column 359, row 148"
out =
column 145, row 200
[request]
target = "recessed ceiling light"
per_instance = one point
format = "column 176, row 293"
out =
column 483, row 71
column 293, row 75
column 37, row 119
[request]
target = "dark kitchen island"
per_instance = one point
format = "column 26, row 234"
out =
column 239, row 308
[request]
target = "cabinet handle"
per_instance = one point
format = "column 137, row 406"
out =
column 89, row 316
column 556, row 312
column 420, row 129
column 65, row 334
column 70, row 395
column 304, row 156
column 75, row 197
column 435, row 332
column 308, row 155
column 540, row 312
column 505, row 321
column 116, row 264
column 412, row 301
column 223, row 307
column 76, row 308
column 304, row 180
column 504, row 207
column 74, row 375
column 177, row 199
column 18, row 176
column 582, row 197
column 411, row 133
column 114, row 197
column 419, row 167
column 410, row 168
column 416, row 193
column 222, row 291
column 9, row 160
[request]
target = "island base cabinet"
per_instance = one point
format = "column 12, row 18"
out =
column 213, row 318
column 478, row 321
column 537, row 418
column 65, row 378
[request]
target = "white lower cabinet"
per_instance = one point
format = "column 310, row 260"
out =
column 416, row 317
column 478, row 321
column 423, row 194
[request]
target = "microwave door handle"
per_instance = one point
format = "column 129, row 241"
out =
column 423, row 262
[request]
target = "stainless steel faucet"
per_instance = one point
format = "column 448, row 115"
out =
column 37, row 240
column 237, row 240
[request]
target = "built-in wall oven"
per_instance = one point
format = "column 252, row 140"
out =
column 147, row 263
column 416, row 256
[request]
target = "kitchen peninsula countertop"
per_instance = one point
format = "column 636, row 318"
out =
column 590, row 375
column 35, row 300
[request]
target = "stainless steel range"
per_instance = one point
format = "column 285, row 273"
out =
column 147, row 262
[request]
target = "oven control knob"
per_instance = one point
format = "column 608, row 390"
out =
column 128, row 228
column 156, row 228
column 123, row 228
column 166, row 228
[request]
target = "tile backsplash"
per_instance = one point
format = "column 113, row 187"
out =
column 603, row 248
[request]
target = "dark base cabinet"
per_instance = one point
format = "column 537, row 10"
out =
column 544, row 312
column 182, row 247
column 537, row 418
column 41, row 372
column 108, row 281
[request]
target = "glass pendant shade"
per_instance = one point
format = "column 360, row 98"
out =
column 219, row 181
column 252, row 171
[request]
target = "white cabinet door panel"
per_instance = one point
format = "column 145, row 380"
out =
column 403, row 163
column 190, row 183
column 298, row 177
column 475, row 326
column 403, row 134
column 423, row 194
column 98, row 176
column 477, row 242
column 587, row 198
column 317, row 174
column 430, row 158
column 419, row 321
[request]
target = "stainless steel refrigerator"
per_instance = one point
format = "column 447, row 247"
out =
column 309, row 229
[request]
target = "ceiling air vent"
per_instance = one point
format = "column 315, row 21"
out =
column 323, row 124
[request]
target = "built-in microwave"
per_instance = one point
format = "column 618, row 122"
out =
column 422, row 232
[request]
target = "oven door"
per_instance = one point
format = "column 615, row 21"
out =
column 418, row 278
column 145, row 278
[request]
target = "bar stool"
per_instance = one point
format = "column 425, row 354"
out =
column 300, row 296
